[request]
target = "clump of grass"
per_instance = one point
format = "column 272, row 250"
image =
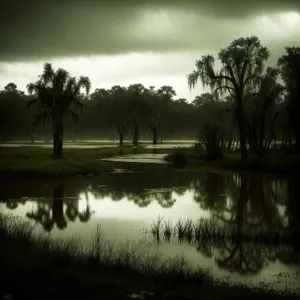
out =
column 207, row 230
column 188, row 229
column 156, row 226
column 168, row 230
column 12, row 226
column 180, row 230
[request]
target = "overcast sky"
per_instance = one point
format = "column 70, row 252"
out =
column 153, row 42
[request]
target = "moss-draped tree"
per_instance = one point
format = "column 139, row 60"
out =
column 242, row 64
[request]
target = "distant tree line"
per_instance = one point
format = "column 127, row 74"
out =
column 247, row 107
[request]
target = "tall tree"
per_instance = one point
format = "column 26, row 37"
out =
column 136, row 94
column 263, row 111
column 289, row 65
column 119, row 114
column 242, row 64
column 57, row 94
column 156, row 107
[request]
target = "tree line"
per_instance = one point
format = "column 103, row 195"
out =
column 248, row 107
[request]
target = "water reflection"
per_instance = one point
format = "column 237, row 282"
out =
column 49, row 212
column 265, row 209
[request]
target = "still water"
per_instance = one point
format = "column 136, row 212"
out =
column 126, row 204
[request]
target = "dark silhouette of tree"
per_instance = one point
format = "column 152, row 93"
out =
column 247, row 205
column 242, row 63
column 56, row 92
column 156, row 106
column 136, row 107
column 119, row 97
column 263, row 112
column 289, row 65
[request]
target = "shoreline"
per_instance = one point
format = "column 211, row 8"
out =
column 35, row 163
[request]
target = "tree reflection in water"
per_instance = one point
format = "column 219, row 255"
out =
column 50, row 211
column 140, row 197
column 250, row 204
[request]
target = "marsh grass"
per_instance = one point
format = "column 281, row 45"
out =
column 207, row 230
column 167, row 230
column 35, row 266
column 131, row 256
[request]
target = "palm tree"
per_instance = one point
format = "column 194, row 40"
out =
column 58, row 94
column 242, row 63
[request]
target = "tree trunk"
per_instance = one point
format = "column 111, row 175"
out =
column 57, row 208
column 57, row 127
column 121, row 132
column 60, row 148
column 121, row 137
column 242, row 133
column 135, row 133
column 55, row 143
column 154, row 132
column 136, row 136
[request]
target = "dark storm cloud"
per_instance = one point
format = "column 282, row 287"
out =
column 37, row 29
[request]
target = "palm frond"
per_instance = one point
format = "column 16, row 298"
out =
column 70, row 85
column 34, row 87
column 60, row 80
column 41, row 118
column 48, row 73
column 83, row 82
column 74, row 116
column 77, row 103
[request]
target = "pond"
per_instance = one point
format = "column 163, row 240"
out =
column 127, row 203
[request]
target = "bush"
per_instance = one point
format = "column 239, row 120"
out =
column 210, row 140
column 178, row 157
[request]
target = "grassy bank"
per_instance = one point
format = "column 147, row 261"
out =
column 35, row 267
column 22, row 163
column 273, row 163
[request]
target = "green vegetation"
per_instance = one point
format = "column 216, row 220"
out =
column 276, row 162
column 35, row 162
column 23, row 163
column 49, row 268
column 178, row 157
